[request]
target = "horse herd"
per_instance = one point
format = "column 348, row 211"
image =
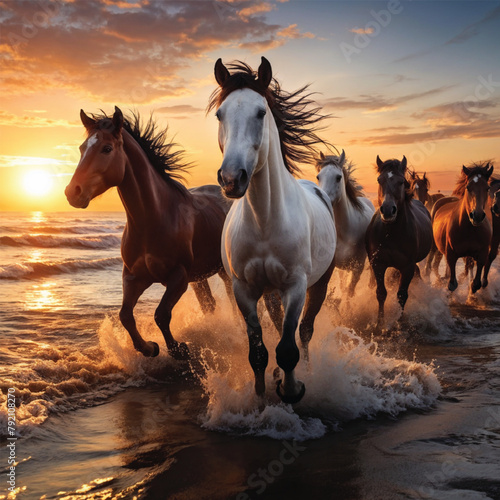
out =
column 266, row 233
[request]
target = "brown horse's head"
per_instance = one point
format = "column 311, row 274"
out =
column 393, row 189
column 495, row 196
column 102, row 161
column 475, row 194
column 419, row 186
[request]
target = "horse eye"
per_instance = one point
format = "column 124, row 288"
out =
column 339, row 178
column 107, row 149
column 261, row 113
column 217, row 115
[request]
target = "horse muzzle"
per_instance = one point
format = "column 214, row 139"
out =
column 75, row 196
column 476, row 218
column 233, row 185
column 388, row 213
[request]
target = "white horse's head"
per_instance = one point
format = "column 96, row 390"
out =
column 331, row 175
column 243, row 129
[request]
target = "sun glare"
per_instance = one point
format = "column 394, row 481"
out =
column 37, row 182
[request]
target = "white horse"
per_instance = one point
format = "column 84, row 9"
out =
column 353, row 212
column 279, row 235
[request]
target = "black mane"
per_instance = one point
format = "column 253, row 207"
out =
column 163, row 154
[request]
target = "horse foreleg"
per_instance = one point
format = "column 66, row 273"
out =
column 451, row 259
column 430, row 259
column 379, row 272
column 176, row 284
column 228, row 285
column 314, row 300
column 291, row 390
column 204, row 296
column 273, row 306
column 357, row 270
column 247, row 298
column 404, row 283
column 133, row 288
column 491, row 257
column 481, row 261
column 437, row 260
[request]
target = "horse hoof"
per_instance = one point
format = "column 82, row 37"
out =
column 475, row 287
column 291, row 400
column 180, row 352
column 151, row 350
column 452, row 286
column 485, row 283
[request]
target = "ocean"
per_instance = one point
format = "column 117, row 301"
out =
column 414, row 413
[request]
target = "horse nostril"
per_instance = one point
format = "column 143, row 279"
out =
column 243, row 177
column 393, row 210
column 219, row 177
column 78, row 190
column 481, row 218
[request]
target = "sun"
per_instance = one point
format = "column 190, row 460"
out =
column 37, row 183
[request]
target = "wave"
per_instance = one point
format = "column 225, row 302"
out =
column 34, row 270
column 83, row 229
column 47, row 241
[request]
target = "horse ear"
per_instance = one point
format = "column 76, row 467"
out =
column 117, row 121
column 342, row 157
column 221, row 72
column 265, row 73
column 88, row 122
column 380, row 163
column 403, row 163
column 489, row 171
column 322, row 156
column 465, row 170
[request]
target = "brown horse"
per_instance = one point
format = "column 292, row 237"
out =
column 420, row 187
column 172, row 235
column 400, row 233
column 460, row 226
column 495, row 222
column 493, row 215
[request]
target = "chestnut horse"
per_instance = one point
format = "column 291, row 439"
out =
column 399, row 234
column 460, row 226
column 172, row 235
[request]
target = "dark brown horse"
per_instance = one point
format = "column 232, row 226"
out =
column 400, row 233
column 172, row 235
column 460, row 226
column 420, row 187
column 495, row 222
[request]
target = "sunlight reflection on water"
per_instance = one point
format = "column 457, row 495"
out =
column 43, row 297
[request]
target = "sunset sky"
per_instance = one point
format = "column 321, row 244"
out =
column 420, row 78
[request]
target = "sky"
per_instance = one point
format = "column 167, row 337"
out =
column 398, row 77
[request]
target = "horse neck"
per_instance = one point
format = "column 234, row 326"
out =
column 344, row 212
column 146, row 197
column 269, row 186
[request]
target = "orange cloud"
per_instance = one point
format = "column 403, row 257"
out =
column 293, row 32
column 114, row 51
column 26, row 121
column 362, row 31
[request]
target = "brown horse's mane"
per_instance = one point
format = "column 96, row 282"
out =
column 162, row 153
column 414, row 177
column 295, row 119
column 353, row 190
column 395, row 164
column 476, row 168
